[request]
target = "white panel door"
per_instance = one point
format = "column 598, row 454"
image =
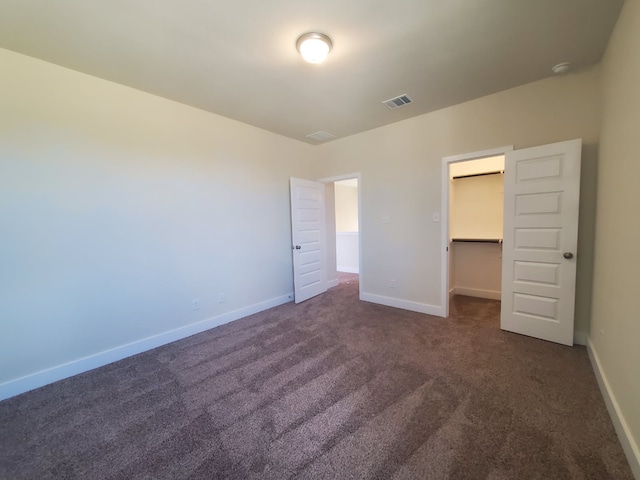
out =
column 308, row 236
column 541, row 198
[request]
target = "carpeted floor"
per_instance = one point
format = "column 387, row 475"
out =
column 332, row 388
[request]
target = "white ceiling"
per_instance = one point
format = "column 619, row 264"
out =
column 238, row 58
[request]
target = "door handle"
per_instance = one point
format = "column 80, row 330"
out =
column 297, row 247
column 567, row 255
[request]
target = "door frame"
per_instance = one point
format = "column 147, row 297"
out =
column 444, row 214
column 349, row 176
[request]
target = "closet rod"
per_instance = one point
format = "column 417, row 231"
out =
column 497, row 172
column 477, row 240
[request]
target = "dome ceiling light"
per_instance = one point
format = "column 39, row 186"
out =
column 314, row 47
column 561, row 68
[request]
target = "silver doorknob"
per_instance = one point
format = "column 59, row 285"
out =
column 567, row 255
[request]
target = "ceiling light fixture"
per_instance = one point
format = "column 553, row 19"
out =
column 314, row 47
column 561, row 68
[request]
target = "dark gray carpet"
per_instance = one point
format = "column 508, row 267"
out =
column 331, row 388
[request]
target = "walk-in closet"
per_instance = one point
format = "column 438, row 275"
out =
column 476, row 198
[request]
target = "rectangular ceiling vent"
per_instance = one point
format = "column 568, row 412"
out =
column 321, row 136
column 399, row 101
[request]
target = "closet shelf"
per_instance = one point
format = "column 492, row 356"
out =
column 497, row 172
column 477, row 240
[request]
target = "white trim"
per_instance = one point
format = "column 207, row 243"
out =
column 580, row 337
column 477, row 292
column 333, row 283
column 444, row 215
column 403, row 304
column 349, row 176
column 625, row 437
column 53, row 374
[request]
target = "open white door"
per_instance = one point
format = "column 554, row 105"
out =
column 308, row 237
column 541, row 199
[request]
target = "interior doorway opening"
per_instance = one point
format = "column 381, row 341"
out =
column 351, row 226
column 347, row 226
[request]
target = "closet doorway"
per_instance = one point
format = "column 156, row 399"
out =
column 540, row 228
column 472, row 224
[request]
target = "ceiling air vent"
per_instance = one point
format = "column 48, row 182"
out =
column 321, row 136
column 399, row 101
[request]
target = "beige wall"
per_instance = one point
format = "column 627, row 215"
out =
column 401, row 174
column 477, row 269
column 615, row 329
column 346, row 208
column 477, row 205
column 118, row 208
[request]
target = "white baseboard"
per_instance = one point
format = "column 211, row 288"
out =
column 348, row 269
column 476, row 292
column 53, row 374
column 333, row 283
column 580, row 338
column 627, row 441
column 403, row 304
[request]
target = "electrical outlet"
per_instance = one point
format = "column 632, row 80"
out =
column 195, row 303
column 221, row 298
column 392, row 283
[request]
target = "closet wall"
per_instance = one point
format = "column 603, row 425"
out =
column 476, row 200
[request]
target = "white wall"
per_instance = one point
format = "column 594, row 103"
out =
column 117, row 208
column 347, row 252
column 615, row 328
column 401, row 171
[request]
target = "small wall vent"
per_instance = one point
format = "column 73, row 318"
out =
column 321, row 136
column 399, row 101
